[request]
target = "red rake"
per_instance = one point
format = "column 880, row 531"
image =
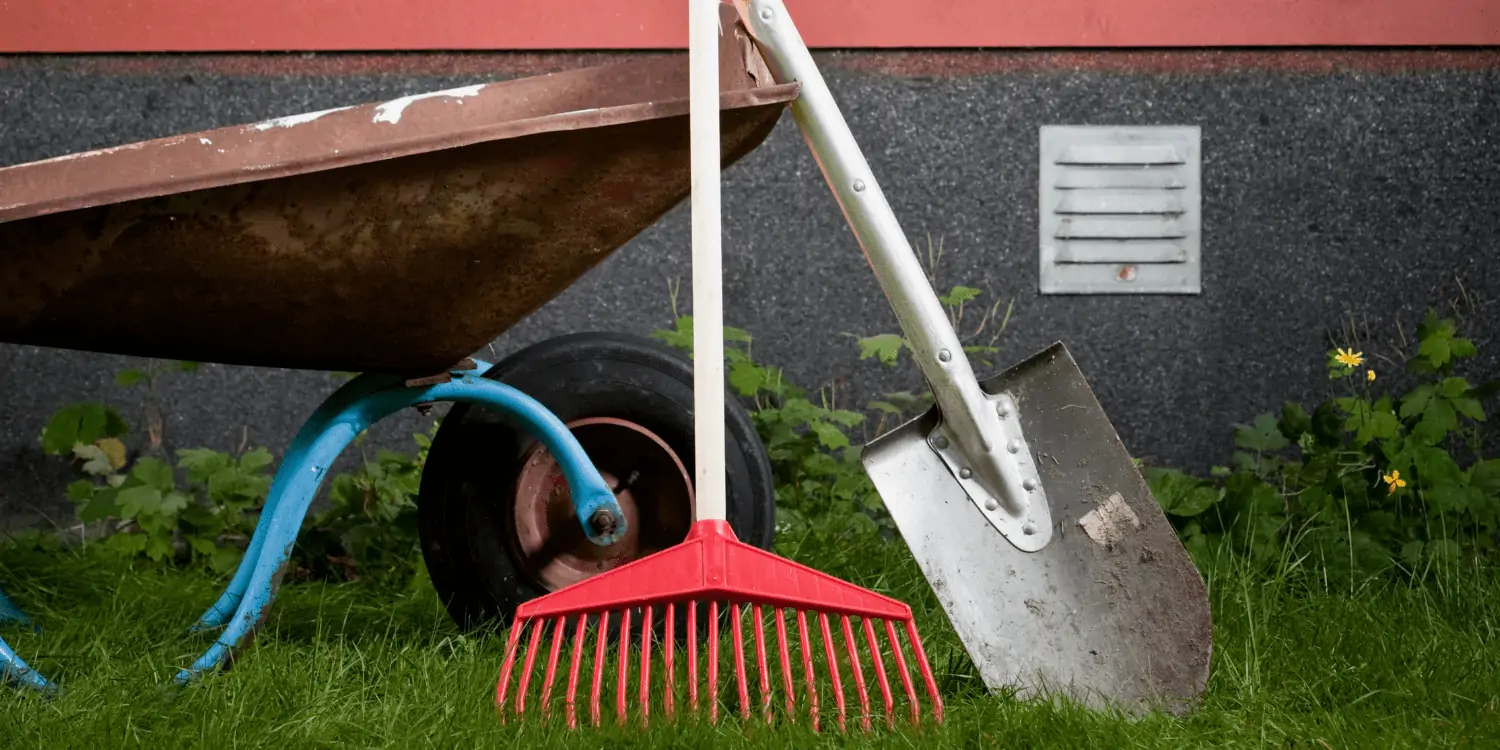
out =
column 715, row 569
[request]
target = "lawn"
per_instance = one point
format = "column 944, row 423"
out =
column 353, row 665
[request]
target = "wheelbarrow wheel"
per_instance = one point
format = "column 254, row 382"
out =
column 495, row 518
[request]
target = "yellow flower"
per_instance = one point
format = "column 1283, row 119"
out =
column 1370, row 376
column 1394, row 480
column 1349, row 357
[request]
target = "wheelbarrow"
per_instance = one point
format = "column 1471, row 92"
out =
column 399, row 238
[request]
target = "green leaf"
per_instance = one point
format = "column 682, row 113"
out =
column 885, row 406
column 81, row 490
column 98, row 508
column 830, row 436
column 1371, row 422
column 1295, row 421
column 1438, row 419
column 201, row 518
column 133, row 501
column 224, row 559
column 256, row 459
column 200, row 462
column 885, row 347
column 154, row 473
column 1436, row 349
column 1180, row 494
column 126, row 545
column 1486, row 476
column 1447, row 498
column 1469, row 407
column 202, row 546
column 680, row 337
column 1261, row 435
column 1443, row 551
column 1328, row 424
column 845, row 417
column 1452, row 388
column 746, row 379
column 158, row 549
column 736, row 335
column 129, row 377
column 1435, row 467
column 85, row 423
column 1416, row 401
column 172, row 504
column 959, row 295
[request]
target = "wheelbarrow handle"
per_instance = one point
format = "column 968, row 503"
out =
column 969, row 416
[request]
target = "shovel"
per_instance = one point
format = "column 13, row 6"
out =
column 1056, row 567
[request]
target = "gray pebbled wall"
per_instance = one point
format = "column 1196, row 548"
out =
column 1329, row 197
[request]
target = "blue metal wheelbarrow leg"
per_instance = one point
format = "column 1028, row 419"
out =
column 352, row 409
column 330, row 410
column 12, row 667
column 9, row 612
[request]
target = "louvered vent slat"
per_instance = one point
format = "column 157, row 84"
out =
column 1120, row 210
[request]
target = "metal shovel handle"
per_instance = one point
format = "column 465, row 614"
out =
column 970, row 417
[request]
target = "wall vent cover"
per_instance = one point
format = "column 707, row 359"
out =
column 1121, row 210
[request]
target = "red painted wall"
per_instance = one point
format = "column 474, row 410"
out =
column 342, row 25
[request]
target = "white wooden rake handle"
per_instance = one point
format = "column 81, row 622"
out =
column 708, row 294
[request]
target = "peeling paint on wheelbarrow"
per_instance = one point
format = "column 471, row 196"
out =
column 398, row 237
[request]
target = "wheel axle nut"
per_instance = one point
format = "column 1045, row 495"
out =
column 603, row 523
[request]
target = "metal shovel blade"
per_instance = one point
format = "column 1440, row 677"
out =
column 1111, row 612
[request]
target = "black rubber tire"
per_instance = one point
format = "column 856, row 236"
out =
column 467, row 493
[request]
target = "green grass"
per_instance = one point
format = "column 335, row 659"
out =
column 1387, row 665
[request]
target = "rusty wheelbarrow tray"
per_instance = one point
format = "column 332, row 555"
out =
column 400, row 236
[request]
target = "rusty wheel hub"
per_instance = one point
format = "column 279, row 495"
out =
column 652, row 485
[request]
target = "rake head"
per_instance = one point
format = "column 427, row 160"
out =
column 713, row 570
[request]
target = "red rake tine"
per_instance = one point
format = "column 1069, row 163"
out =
column 786, row 663
column 692, row 670
column 583, row 621
column 859, row 676
column 624, row 667
column 599, row 636
column 645, row 699
column 713, row 662
column 739, row 663
column 712, row 569
column 760, row 659
column 885, row 685
column 911, row 692
column 927, row 676
column 510, row 662
column 557, row 637
column 531, row 649
column 669, row 649
column 833, row 667
column 807, row 669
